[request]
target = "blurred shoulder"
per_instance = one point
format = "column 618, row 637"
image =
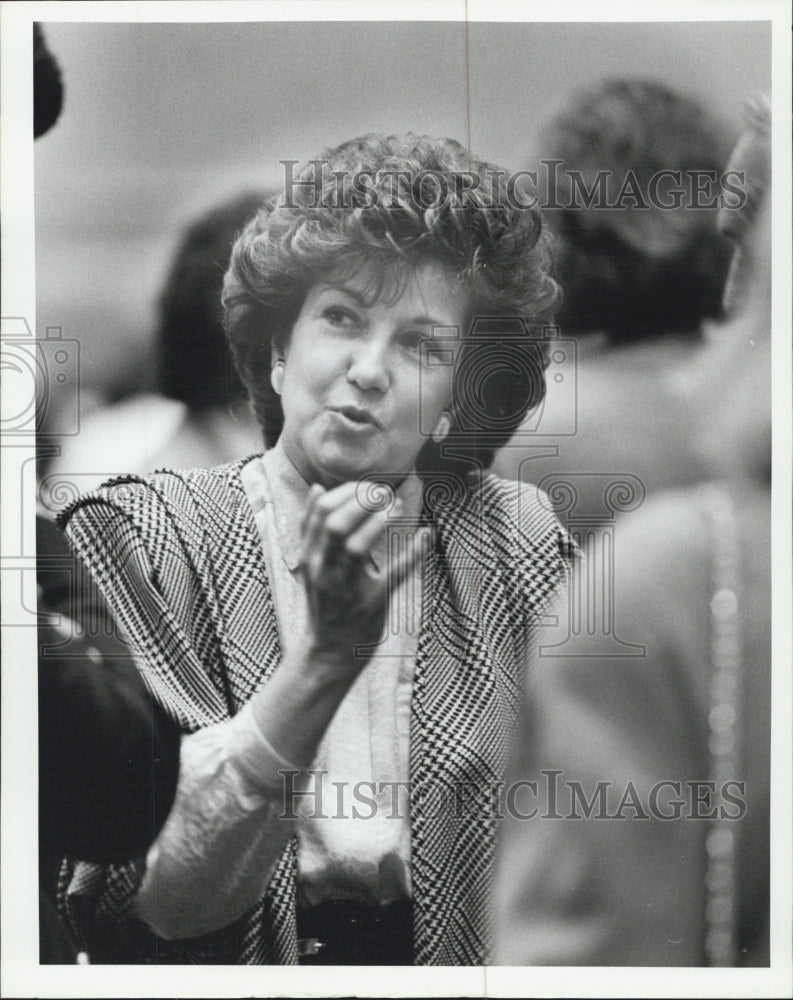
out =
column 674, row 525
column 665, row 556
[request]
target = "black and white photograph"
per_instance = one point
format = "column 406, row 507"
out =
column 396, row 542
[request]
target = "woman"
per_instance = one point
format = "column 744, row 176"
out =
column 348, row 671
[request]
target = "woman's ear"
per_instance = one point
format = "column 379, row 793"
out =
column 442, row 428
column 277, row 375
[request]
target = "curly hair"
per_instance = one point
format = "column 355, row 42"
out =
column 381, row 206
column 636, row 272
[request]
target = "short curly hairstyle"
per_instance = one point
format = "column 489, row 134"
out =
column 383, row 205
column 635, row 272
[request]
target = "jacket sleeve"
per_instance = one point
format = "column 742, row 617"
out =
column 214, row 857
column 128, row 538
column 225, row 833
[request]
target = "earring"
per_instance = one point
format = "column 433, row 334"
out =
column 442, row 428
column 277, row 376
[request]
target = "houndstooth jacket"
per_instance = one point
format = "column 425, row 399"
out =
column 179, row 559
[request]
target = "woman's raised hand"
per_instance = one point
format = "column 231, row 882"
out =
column 348, row 600
column 348, row 596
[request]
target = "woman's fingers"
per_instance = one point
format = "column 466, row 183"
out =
column 361, row 540
column 339, row 525
column 340, row 533
column 347, row 596
column 321, row 504
column 312, row 523
column 347, row 517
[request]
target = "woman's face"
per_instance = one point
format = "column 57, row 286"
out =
column 358, row 396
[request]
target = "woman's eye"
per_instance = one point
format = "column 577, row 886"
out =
column 337, row 316
column 412, row 341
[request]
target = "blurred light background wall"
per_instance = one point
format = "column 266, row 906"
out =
column 162, row 120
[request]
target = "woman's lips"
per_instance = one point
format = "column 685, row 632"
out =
column 357, row 417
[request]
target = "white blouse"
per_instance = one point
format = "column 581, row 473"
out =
column 214, row 857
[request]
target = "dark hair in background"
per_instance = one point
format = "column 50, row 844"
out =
column 635, row 273
column 193, row 358
column 47, row 85
column 497, row 250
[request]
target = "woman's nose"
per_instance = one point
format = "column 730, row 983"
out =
column 368, row 368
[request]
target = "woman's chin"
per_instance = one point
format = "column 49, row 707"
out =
column 333, row 466
column 333, row 469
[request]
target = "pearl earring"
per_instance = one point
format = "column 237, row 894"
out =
column 442, row 428
column 277, row 376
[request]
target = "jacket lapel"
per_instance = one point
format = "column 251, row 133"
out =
column 462, row 716
column 247, row 625
column 250, row 651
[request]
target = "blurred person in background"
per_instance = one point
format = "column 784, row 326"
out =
column 200, row 414
column 640, row 283
column 655, row 849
